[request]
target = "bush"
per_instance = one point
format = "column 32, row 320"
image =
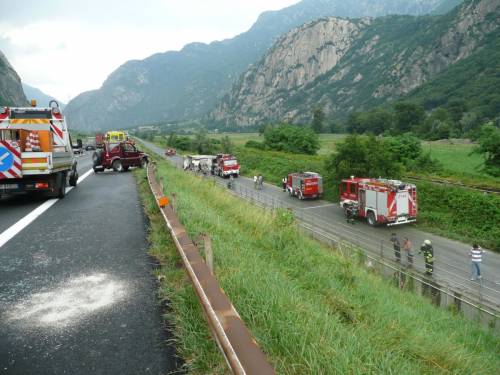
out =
column 290, row 138
column 255, row 144
column 363, row 156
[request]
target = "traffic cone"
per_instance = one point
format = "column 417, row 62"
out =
column 27, row 146
column 35, row 141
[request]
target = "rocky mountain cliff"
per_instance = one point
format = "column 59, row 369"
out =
column 187, row 84
column 42, row 98
column 11, row 91
column 345, row 65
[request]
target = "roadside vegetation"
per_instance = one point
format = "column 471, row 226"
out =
column 310, row 309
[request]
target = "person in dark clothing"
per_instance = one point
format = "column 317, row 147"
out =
column 428, row 251
column 283, row 182
column 397, row 247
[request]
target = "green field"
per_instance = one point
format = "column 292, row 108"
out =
column 311, row 310
column 457, row 157
column 454, row 155
column 326, row 141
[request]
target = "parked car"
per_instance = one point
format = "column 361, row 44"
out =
column 119, row 156
column 170, row 152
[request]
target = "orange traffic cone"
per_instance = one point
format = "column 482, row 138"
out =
column 27, row 146
column 35, row 141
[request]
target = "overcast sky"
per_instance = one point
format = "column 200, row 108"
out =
column 65, row 47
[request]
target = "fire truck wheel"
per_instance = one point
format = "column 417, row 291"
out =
column 117, row 166
column 370, row 218
column 144, row 163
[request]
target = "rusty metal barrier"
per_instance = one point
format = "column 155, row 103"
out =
column 239, row 348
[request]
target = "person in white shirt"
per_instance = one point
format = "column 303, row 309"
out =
column 476, row 256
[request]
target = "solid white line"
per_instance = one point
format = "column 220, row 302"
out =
column 325, row 205
column 13, row 230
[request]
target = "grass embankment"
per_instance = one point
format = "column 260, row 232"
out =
column 312, row 311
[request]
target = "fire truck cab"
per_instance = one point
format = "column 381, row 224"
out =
column 380, row 201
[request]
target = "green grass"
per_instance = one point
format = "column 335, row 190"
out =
column 312, row 311
column 456, row 156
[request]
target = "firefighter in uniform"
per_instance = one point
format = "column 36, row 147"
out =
column 428, row 251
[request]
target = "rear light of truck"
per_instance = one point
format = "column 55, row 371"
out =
column 42, row 185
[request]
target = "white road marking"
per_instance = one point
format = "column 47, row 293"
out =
column 324, row 205
column 13, row 230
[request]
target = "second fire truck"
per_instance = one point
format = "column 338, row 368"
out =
column 379, row 201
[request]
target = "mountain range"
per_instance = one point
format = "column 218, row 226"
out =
column 42, row 98
column 185, row 85
column 343, row 65
column 11, row 91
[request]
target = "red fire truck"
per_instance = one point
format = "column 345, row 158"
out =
column 305, row 185
column 225, row 165
column 380, row 201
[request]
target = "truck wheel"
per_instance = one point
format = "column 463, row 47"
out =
column 144, row 163
column 61, row 185
column 370, row 218
column 73, row 179
column 117, row 166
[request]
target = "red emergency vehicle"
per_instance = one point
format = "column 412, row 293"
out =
column 305, row 185
column 380, row 201
column 225, row 165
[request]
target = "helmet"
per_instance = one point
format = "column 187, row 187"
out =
column 427, row 242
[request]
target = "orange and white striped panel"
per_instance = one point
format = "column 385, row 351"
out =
column 10, row 160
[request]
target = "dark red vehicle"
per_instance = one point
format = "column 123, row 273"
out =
column 119, row 156
column 99, row 140
column 170, row 152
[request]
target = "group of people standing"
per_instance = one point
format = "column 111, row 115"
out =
column 258, row 182
column 475, row 255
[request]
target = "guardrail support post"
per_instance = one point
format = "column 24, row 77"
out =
column 174, row 202
column 209, row 255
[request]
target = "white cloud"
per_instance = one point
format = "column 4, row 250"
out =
column 73, row 49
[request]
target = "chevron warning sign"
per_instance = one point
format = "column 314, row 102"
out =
column 10, row 161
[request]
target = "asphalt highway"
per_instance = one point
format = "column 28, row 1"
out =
column 452, row 265
column 77, row 294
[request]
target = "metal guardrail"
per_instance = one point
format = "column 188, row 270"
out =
column 482, row 189
column 240, row 350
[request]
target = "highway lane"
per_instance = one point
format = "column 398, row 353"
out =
column 77, row 295
column 13, row 208
column 452, row 265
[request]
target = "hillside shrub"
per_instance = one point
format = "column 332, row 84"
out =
column 291, row 138
column 460, row 213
